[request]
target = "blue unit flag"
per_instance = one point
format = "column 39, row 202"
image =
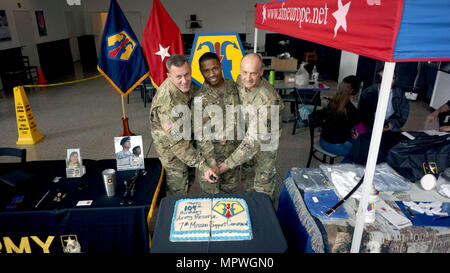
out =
column 121, row 60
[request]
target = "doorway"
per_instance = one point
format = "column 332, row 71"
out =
column 25, row 27
column 72, row 34
column 98, row 24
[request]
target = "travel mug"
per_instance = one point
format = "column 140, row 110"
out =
column 109, row 179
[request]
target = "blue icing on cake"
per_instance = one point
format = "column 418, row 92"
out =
column 216, row 219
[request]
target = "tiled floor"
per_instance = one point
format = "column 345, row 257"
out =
column 87, row 115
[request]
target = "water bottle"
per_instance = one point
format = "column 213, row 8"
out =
column 371, row 206
column 314, row 75
column 272, row 77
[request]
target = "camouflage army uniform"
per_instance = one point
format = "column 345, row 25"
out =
column 216, row 151
column 175, row 155
column 258, row 167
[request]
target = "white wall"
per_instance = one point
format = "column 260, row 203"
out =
column 55, row 21
column 9, row 6
column 216, row 15
column 348, row 65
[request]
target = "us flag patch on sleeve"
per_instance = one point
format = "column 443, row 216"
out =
column 168, row 125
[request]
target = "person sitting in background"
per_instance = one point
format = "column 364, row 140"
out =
column 443, row 113
column 397, row 110
column 356, row 86
column 341, row 116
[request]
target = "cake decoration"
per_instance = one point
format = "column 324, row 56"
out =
column 216, row 219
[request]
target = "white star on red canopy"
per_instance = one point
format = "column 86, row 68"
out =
column 340, row 16
column 264, row 13
column 163, row 52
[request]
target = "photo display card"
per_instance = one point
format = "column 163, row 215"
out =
column 74, row 163
column 129, row 153
column 73, row 159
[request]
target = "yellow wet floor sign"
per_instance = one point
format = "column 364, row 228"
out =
column 26, row 125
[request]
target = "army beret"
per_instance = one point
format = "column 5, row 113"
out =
column 123, row 140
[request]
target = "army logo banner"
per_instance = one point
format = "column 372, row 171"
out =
column 227, row 46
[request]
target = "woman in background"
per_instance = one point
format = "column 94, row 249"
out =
column 338, row 132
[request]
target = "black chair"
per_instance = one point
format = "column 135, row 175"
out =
column 22, row 153
column 316, row 120
column 31, row 70
column 24, row 72
column 304, row 97
column 147, row 91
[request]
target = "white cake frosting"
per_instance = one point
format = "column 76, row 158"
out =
column 216, row 219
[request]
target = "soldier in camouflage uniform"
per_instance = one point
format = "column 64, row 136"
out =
column 220, row 92
column 256, row 91
column 175, row 153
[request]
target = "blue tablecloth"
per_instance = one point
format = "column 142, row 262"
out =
column 306, row 233
column 300, row 229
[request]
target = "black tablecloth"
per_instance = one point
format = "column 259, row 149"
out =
column 105, row 226
column 267, row 234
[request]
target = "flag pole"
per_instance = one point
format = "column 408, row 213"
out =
column 374, row 147
column 135, row 65
column 255, row 42
column 123, row 107
column 126, row 129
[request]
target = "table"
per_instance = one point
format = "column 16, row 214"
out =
column 103, row 227
column 267, row 234
column 281, row 86
column 300, row 94
column 306, row 233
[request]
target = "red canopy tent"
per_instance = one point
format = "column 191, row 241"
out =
column 390, row 31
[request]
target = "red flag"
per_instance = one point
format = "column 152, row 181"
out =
column 160, row 40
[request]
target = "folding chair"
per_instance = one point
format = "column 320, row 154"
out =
column 304, row 97
column 22, row 153
column 316, row 120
